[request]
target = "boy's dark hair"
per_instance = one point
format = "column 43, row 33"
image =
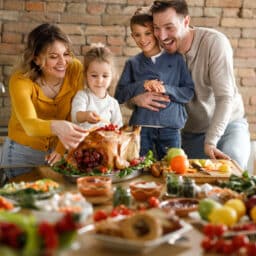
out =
column 141, row 17
column 180, row 6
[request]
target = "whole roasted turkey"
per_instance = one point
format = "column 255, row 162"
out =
column 111, row 148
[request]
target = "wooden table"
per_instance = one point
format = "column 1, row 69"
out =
column 188, row 246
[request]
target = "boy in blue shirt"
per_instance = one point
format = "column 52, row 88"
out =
column 155, row 70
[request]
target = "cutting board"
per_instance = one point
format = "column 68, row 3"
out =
column 216, row 175
column 202, row 177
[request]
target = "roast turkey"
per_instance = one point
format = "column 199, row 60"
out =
column 111, row 148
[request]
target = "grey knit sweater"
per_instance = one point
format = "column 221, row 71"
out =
column 217, row 100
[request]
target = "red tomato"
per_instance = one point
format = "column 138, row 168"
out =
column 208, row 230
column 134, row 162
column 179, row 164
column 100, row 215
column 153, row 202
column 103, row 169
column 218, row 247
column 251, row 249
column 228, row 247
column 220, row 229
column 114, row 213
column 207, row 244
column 239, row 241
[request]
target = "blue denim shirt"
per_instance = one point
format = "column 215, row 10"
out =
column 169, row 68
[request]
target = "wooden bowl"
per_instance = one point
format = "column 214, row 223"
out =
column 181, row 206
column 142, row 190
column 95, row 186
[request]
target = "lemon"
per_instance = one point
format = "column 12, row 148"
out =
column 253, row 214
column 207, row 163
column 238, row 205
column 223, row 215
column 224, row 168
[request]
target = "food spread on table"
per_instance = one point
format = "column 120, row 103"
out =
column 106, row 151
column 160, row 206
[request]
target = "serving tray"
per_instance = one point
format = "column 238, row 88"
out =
column 114, row 176
column 131, row 246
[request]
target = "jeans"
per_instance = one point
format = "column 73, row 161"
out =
column 15, row 154
column 235, row 142
column 159, row 140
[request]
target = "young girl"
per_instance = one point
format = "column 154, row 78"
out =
column 159, row 73
column 93, row 105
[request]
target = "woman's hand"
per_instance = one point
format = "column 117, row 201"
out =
column 150, row 100
column 214, row 153
column 53, row 158
column 69, row 134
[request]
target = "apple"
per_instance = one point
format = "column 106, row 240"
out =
column 206, row 206
column 172, row 152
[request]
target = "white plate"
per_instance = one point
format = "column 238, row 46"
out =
column 122, row 244
column 51, row 207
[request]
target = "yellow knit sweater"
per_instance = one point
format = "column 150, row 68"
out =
column 32, row 111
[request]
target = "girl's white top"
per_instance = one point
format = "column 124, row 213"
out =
column 107, row 108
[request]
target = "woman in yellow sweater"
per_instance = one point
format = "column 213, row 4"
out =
column 41, row 91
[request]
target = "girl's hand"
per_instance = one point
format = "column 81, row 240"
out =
column 69, row 134
column 92, row 117
column 53, row 158
column 154, row 86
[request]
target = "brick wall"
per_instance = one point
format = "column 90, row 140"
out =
column 107, row 21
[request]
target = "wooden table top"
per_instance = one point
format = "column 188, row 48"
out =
column 86, row 245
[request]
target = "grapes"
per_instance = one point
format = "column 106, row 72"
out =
column 88, row 159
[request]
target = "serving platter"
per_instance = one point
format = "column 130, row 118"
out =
column 40, row 189
column 115, row 176
column 131, row 246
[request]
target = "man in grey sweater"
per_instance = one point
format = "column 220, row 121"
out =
column 216, row 126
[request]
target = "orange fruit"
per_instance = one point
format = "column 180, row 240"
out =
column 253, row 214
column 179, row 164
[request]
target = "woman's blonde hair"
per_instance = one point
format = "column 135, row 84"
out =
column 38, row 40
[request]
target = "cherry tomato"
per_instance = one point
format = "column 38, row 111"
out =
column 100, row 215
column 218, row 247
column 114, row 213
column 208, row 230
column 239, row 241
column 103, row 169
column 220, row 229
column 134, row 162
column 153, row 202
column 207, row 244
column 228, row 247
column 251, row 249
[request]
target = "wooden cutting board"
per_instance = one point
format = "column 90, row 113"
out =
column 216, row 175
